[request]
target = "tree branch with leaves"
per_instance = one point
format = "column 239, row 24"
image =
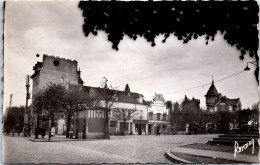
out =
column 74, row 100
column 53, row 102
column 38, row 103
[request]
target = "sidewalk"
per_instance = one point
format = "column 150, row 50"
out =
column 59, row 138
column 214, row 154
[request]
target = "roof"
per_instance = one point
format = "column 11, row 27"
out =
column 123, row 97
column 229, row 101
column 212, row 90
column 36, row 69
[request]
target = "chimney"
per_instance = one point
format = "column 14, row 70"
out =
column 127, row 90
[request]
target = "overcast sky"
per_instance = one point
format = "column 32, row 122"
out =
column 55, row 28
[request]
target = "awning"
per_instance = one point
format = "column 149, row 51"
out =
column 140, row 121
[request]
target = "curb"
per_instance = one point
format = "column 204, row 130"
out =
column 64, row 140
column 172, row 157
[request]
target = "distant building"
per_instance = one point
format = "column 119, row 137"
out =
column 159, row 117
column 215, row 101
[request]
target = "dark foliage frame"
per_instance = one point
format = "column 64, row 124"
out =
column 237, row 21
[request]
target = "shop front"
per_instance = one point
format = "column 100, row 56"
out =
column 140, row 127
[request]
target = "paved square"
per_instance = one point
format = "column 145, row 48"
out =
column 118, row 149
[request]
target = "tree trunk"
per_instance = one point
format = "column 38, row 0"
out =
column 52, row 124
column 107, row 131
column 37, row 127
column 68, row 126
column 124, row 126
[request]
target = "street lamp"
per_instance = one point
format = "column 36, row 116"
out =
column 247, row 68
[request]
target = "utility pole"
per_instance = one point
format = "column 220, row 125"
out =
column 26, row 115
column 106, row 110
column 11, row 95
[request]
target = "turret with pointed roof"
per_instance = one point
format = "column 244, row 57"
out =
column 127, row 89
column 212, row 90
column 212, row 97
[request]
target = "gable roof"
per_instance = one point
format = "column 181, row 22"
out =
column 212, row 90
column 123, row 96
column 232, row 102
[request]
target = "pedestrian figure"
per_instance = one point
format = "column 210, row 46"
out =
column 29, row 131
column 43, row 132
column 210, row 129
column 13, row 131
column 195, row 129
column 187, row 129
column 157, row 131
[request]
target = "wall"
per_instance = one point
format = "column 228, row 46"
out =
column 138, row 107
column 158, row 107
column 61, row 126
column 90, row 125
column 65, row 72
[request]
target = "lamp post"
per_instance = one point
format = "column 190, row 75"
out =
column 26, row 115
column 253, row 62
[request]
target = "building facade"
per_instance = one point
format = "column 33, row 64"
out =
column 158, row 116
column 134, row 103
column 88, row 122
column 54, row 70
column 215, row 101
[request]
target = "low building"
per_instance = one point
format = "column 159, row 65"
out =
column 90, row 122
column 159, row 118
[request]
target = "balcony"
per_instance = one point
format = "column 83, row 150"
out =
column 161, row 117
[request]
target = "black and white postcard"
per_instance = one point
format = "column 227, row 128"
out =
column 141, row 82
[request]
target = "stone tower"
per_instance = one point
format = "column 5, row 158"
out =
column 55, row 70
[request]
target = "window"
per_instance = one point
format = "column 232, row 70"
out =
column 96, row 114
column 150, row 116
column 56, row 63
column 164, row 117
column 158, row 116
column 141, row 114
column 222, row 106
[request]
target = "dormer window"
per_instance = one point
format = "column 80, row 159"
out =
column 140, row 99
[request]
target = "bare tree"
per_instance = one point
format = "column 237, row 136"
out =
column 255, row 106
column 110, row 96
column 254, row 115
column 37, row 105
column 74, row 100
column 124, row 114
